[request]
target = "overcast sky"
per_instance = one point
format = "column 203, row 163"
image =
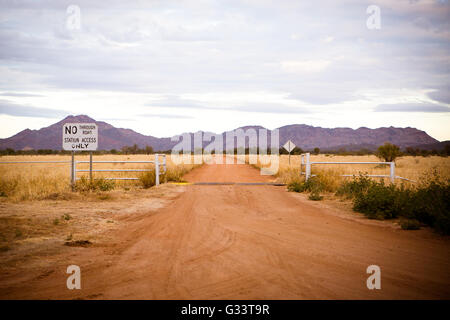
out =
column 166, row 67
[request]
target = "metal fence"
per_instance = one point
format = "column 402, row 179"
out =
column 73, row 167
column 74, row 170
column 309, row 163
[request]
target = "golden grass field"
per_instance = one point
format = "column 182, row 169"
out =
column 40, row 181
column 19, row 182
column 413, row 168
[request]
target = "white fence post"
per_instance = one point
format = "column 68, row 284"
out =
column 392, row 174
column 308, row 167
column 157, row 169
column 164, row 163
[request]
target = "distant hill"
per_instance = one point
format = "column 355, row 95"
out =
column 304, row 136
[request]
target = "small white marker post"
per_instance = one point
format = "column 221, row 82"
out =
column 289, row 146
column 156, row 169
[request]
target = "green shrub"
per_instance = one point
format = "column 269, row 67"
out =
column 378, row 202
column 313, row 184
column 101, row 184
column 315, row 196
column 388, row 152
column 296, row 186
column 428, row 203
column 358, row 185
column 432, row 204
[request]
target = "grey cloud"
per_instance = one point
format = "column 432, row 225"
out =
column 411, row 107
column 191, row 46
column 165, row 116
column 16, row 94
column 323, row 97
column 442, row 95
column 17, row 110
column 172, row 101
column 270, row 108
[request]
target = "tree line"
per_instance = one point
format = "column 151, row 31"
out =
column 135, row 149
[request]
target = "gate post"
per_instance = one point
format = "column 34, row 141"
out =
column 308, row 167
column 156, row 169
column 72, row 171
column 392, row 173
column 164, row 163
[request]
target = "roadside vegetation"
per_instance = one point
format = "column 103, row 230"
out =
column 427, row 203
column 173, row 174
column 48, row 181
column 424, row 201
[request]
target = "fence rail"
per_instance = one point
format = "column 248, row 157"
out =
column 157, row 163
column 309, row 163
column 10, row 162
column 74, row 170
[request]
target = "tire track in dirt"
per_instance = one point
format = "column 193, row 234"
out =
column 254, row 242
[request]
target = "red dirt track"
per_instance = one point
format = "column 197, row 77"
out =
column 251, row 242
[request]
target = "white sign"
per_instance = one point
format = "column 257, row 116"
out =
column 80, row 136
column 289, row 146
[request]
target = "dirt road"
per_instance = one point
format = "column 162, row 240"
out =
column 248, row 242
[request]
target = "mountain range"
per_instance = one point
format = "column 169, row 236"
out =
column 305, row 136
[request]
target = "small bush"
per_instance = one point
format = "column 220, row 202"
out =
column 296, row 186
column 103, row 184
column 147, row 179
column 427, row 203
column 432, row 204
column 315, row 196
column 85, row 185
column 7, row 187
column 358, row 185
column 382, row 201
column 313, row 184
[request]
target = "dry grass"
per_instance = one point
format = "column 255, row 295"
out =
column 33, row 229
column 414, row 168
column 20, row 182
